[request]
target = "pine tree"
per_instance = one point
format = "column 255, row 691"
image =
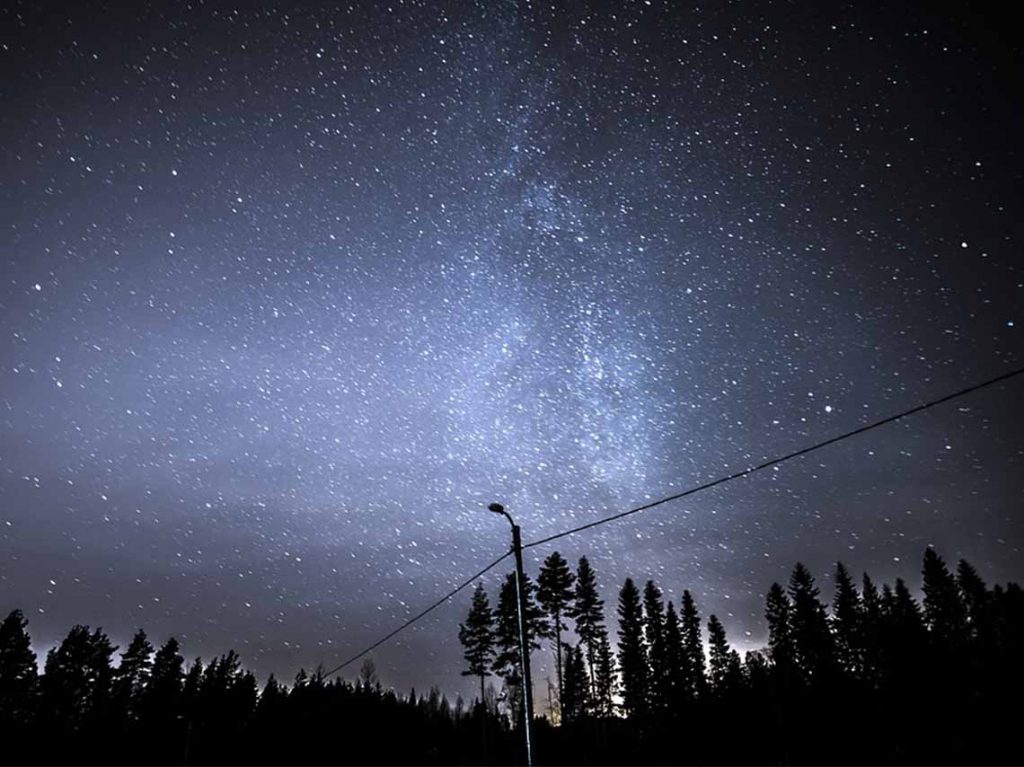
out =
column 944, row 612
column 555, row 595
column 847, row 621
column 507, row 663
column 477, row 638
column 18, row 677
column 654, row 643
column 132, row 675
column 694, row 669
column 506, row 634
column 632, row 653
column 814, row 650
column 588, row 614
column 76, row 678
column 161, row 698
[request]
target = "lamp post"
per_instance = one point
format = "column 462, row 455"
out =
column 524, row 649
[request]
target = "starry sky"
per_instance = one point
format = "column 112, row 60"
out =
column 288, row 294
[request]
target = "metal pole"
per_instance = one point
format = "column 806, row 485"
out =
column 524, row 650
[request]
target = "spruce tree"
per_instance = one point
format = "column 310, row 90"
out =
column 588, row 614
column 18, row 676
column 694, row 668
column 780, row 632
column 555, row 595
column 814, row 649
column 632, row 653
column 605, row 681
column 191, row 686
column 506, row 634
column 847, row 622
column 944, row 613
column 871, row 632
column 477, row 638
column 654, row 643
column 574, row 703
column 905, row 615
column 976, row 599
column 675, row 680
column 724, row 662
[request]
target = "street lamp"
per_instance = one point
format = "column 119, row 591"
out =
column 524, row 650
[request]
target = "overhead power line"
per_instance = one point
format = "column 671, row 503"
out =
column 419, row 615
column 691, row 491
column 778, row 460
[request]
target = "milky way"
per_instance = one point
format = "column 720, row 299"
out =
column 289, row 295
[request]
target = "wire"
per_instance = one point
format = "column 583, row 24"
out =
column 419, row 615
column 675, row 497
column 778, row 460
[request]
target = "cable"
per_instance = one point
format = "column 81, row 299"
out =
column 780, row 459
column 675, row 497
column 419, row 615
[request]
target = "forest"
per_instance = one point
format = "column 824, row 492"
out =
column 874, row 676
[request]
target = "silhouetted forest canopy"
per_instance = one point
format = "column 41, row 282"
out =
column 873, row 677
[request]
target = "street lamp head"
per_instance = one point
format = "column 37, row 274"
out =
column 497, row 508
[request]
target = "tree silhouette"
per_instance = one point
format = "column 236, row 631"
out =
column 555, row 595
column 656, row 650
column 675, row 681
column 813, row 648
column 477, row 638
column 18, row 676
column 605, row 677
column 694, row 669
column 976, row 599
column 507, row 663
column 632, row 653
column 871, row 633
column 931, row 699
column 132, row 675
column 588, row 614
column 944, row 612
column 904, row 615
column 161, row 699
column 576, row 691
column 780, row 630
column 847, row 623
column 724, row 662
column 76, row 680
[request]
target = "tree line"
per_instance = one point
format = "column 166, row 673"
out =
column 873, row 677
column 154, row 708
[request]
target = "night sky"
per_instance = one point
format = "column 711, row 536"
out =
column 290, row 294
